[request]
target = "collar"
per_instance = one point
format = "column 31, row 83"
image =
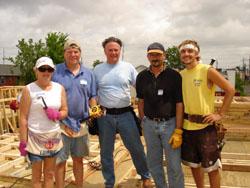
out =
column 162, row 69
column 81, row 70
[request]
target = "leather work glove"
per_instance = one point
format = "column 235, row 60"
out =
column 176, row 138
column 22, row 148
column 52, row 114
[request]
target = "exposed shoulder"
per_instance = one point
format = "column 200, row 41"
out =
column 26, row 91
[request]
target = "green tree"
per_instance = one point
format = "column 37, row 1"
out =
column 239, row 84
column 96, row 62
column 173, row 58
column 54, row 43
column 29, row 51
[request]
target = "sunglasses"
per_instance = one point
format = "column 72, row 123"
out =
column 43, row 69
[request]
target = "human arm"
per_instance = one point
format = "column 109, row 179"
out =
column 92, row 102
column 64, row 107
column 134, row 75
column 214, row 77
column 57, row 114
column 176, row 138
column 179, row 115
column 25, row 103
column 141, row 108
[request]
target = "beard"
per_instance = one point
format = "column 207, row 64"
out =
column 156, row 63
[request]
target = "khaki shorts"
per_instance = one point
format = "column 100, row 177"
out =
column 74, row 146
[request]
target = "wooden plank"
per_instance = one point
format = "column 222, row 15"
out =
column 241, row 156
column 11, row 164
column 236, row 165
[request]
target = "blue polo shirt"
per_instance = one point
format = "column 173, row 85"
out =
column 79, row 89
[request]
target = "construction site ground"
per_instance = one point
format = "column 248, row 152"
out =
column 16, row 172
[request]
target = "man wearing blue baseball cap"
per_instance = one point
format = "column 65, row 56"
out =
column 161, row 111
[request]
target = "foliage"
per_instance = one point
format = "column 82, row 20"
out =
column 96, row 62
column 29, row 51
column 55, row 43
column 173, row 58
column 239, row 84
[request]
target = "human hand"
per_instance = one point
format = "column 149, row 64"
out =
column 22, row 148
column 69, row 131
column 52, row 114
column 211, row 118
column 176, row 139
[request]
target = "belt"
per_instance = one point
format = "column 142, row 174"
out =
column 194, row 118
column 116, row 111
column 159, row 119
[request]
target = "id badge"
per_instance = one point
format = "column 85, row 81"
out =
column 83, row 82
column 160, row 92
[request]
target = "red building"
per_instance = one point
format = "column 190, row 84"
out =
column 9, row 75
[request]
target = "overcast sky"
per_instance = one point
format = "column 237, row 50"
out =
column 222, row 27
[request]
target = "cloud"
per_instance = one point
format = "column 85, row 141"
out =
column 221, row 27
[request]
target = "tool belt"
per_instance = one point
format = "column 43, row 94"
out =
column 221, row 132
column 116, row 111
column 194, row 118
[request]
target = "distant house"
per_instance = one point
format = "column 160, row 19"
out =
column 9, row 75
column 229, row 74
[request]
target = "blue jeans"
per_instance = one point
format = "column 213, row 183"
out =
column 37, row 158
column 123, row 123
column 157, row 135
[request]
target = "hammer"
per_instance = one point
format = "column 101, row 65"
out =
column 44, row 103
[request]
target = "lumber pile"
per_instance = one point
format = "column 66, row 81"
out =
column 15, row 169
column 237, row 119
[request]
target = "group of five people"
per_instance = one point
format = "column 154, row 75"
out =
column 176, row 111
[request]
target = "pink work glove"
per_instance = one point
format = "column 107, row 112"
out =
column 22, row 148
column 52, row 114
